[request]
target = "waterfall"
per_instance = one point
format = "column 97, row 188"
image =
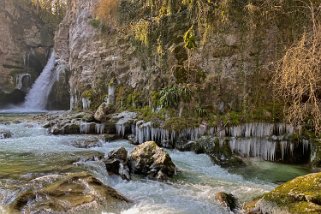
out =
column 38, row 95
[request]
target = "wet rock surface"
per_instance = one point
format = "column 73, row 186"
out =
column 146, row 159
column 77, row 123
column 226, row 200
column 149, row 159
column 117, row 163
column 67, row 193
column 5, row 134
column 87, row 143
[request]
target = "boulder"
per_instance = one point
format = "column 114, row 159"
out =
column 5, row 134
column 300, row 195
column 226, row 200
column 67, row 193
column 101, row 113
column 117, row 163
column 151, row 160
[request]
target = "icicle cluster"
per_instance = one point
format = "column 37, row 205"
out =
column 250, row 140
column 90, row 128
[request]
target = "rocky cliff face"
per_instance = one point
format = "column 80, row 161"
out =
column 25, row 42
column 228, row 67
column 92, row 59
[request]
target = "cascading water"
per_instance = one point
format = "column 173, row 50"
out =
column 37, row 97
column 32, row 159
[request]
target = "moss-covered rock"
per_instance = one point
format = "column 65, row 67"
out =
column 149, row 159
column 298, row 196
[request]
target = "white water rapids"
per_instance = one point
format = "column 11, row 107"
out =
column 191, row 191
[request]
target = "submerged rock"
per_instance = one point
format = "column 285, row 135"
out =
column 87, row 143
column 300, row 195
column 226, row 200
column 68, row 193
column 5, row 134
column 117, row 163
column 149, row 159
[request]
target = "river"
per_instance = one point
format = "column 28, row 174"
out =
column 31, row 153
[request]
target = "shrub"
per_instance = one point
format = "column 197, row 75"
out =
column 106, row 11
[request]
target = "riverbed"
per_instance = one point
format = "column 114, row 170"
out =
column 32, row 153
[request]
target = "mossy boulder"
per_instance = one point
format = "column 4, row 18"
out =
column 300, row 195
column 149, row 159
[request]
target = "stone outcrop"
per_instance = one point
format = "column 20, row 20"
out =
column 25, row 42
column 77, row 123
column 149, row 159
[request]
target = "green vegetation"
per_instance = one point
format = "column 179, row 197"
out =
column 214, row 60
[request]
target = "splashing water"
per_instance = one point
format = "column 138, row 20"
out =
column 32, row 152
column 37, row 97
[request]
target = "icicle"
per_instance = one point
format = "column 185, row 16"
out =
column 85, row 128
column 284, row 146
column 111, row 94
column 305, row 144
column 73, row 102
column 120, row 129
column 100, row 128
column 85, row 103
column 292, row 148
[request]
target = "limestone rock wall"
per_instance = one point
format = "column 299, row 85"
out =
column 233, row 58
column 91, row 58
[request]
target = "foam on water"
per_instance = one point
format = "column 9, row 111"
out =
column 193, row 192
